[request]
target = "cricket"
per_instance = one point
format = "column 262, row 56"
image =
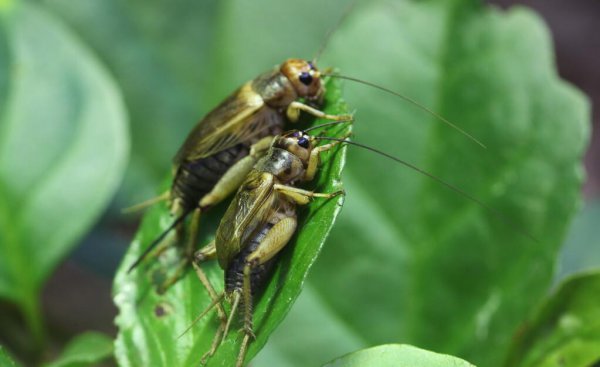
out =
column 225, row 145
column 258, row 224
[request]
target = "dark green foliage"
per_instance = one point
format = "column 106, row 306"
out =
column 408, row 261
column 63, row 149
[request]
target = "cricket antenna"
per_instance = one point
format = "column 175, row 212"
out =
column 492, row 210
column 326, row 124
column 158, row 240
column 331, row 31
column 212, row 305
column 411, row 101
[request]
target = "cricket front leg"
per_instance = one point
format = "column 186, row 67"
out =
column 293, row 113
column 315, row 157
column 303, row 197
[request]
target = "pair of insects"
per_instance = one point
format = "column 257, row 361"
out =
column 241, row 146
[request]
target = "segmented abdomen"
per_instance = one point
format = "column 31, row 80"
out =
column 234, row 274
column 197, row 178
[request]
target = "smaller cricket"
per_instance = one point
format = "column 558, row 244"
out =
column 260, row 222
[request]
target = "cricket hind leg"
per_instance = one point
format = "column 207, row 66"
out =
column 205, row 254
column 236, row 174
column 147, row 203
column 224, row 187
column 188, row 252
column 270, row 245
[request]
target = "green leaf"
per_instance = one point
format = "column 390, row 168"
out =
column 565, row 331
column 310, row 325
column 87, row 349
column 397, row 355
column 5, row 359
column 63, row 148
column 160, row 56
column 408, row 254
column 581, row 250
column 149, row 323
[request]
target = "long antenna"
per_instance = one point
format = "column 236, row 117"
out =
column 158, row 240
column 492, row 210
column 331, row 31
column 206, row 310
column 326, row 124
column 411, row 101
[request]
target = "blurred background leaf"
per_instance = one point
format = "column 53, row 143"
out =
column 88, row 349
column 396, row 355
column 581, row 251
column 565, row 331
column 63, row 149
column 5, row 359
column 160, row 55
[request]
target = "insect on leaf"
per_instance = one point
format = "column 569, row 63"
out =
column 149, row 323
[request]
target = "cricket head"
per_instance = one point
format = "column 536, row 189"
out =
column 289, row 156
column 296, row 142
column 305, row 78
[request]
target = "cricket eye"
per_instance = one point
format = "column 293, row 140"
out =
column 303, row 142
column 305, row 78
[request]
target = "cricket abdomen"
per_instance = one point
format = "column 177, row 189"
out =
column 194, row 179
column 234, row 274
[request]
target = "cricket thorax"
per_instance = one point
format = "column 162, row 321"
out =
column 275, row 89
column 284, row 165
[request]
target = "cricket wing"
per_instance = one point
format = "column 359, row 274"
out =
column 239, row 118
column 248, row 211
